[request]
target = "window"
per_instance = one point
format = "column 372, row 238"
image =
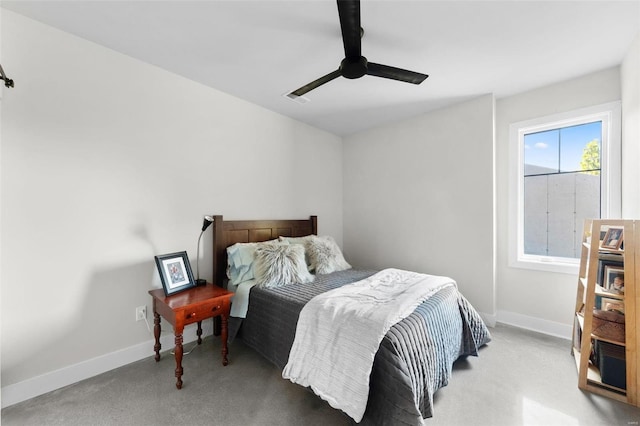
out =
column 563, row 169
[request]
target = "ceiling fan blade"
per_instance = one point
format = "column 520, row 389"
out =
column 349, row 12
column 394, row 73
column 316, row 83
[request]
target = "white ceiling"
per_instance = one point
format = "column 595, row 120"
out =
column 260, row 50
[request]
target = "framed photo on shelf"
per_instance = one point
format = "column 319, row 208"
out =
column 613, row 279
column 608, row 304
column 613, row 238
column 607, row 261
column 175, row 272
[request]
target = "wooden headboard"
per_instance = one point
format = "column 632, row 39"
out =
column 227, row 233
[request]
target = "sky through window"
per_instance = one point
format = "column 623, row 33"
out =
column 560, row 150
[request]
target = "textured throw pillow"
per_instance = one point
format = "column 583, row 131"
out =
column 241, row 258
column 325, row 255
column 304, row 241
column 280, row 265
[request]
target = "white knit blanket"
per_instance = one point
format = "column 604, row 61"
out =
column 339, row 332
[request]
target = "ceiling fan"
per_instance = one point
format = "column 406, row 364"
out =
column 354, row 65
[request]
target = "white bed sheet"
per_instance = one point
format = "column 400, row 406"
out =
column 240, row 300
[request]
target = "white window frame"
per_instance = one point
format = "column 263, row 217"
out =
column 611, row 181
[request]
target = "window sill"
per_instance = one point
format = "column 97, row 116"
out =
column 545, row 264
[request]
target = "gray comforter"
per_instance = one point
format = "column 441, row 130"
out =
column 414, row 359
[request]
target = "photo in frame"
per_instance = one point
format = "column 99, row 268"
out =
column 613, row 279
column 605, row 259
column 607, row 304
column 175, row 272
column 613, row 238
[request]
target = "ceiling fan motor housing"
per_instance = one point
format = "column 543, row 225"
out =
column 353, row 67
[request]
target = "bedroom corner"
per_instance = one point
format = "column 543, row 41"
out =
column 108, row 162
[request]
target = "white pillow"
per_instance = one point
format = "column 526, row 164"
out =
column 297, row 240
column 325, row 255
column 280, row 265
column 304, row 241
column 241, row 258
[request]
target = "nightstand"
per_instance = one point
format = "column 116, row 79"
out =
column 188, row 307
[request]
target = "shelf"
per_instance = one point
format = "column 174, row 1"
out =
column 580, row 318
column 611, row 251
column 595, row 380
column 588, row 298
column 613, row 342
column 600, row 291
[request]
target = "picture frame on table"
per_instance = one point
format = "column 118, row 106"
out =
column 175, row 272
column 613, row 279
column 613, row 238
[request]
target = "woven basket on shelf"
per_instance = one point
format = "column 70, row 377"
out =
column 608, row 325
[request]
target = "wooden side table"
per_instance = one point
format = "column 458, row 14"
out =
column 188, row 307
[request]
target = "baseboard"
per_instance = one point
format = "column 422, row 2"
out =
column 489, row 320
column 30, row 388
column 552, row 328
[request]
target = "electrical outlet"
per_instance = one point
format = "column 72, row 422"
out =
column 141, row 313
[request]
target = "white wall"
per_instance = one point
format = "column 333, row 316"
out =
column 540, row 300
column 407, row 186
column 1, row 238
column 630, row 76
column 106, row 162
column 418, row 195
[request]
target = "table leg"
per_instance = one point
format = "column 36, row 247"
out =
column 156, row 334
column 178, row 352
column 199, row 332
column 223, row 336
column 216, row 326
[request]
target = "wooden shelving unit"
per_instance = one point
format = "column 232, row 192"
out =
column 590, row 290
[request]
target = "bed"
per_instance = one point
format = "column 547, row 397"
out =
column 415, row 357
